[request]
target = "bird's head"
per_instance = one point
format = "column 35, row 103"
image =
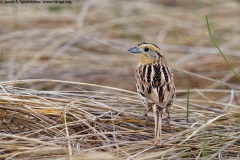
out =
column 147, row 52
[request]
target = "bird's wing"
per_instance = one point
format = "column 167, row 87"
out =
column 155, row 82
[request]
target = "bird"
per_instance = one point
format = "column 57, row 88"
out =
column 155, row 83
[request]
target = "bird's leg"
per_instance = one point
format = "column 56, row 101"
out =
column 149, row 108
column 168, row 119
column 157, row 113
column 146, row 117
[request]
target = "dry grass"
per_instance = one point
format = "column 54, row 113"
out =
column 43, row 118
column 57, row 123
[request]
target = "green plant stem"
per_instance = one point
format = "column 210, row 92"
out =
column 214, row 42
column 188, row 95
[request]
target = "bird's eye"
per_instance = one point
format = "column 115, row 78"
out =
column 146, row 49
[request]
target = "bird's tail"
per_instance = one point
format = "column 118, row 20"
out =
column 157, row 112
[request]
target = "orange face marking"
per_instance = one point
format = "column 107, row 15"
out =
column 144, row 59
column 151, row 47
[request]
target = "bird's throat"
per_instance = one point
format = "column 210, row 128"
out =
column 144, row 59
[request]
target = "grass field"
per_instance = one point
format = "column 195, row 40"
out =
column 67, row 87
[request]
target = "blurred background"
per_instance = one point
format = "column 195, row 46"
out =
column 87, row 41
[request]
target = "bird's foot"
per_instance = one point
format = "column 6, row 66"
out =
column 157, row 141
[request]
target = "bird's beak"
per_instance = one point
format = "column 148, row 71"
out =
column 134, row 50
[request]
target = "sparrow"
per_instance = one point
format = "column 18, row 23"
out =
column 154, row 82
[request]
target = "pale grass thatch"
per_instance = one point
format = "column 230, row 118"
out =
column 76, row 122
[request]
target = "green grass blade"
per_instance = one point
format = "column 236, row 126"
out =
column 188, row 95
column 214, row 42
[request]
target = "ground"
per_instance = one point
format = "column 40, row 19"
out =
column 67, row 80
